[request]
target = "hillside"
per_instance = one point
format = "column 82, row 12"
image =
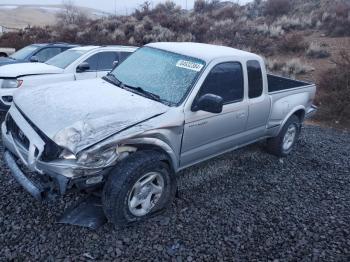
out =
column 20, row 16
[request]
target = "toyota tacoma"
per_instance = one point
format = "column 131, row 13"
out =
column 168, row 106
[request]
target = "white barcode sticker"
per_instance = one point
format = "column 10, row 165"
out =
column 189, row 65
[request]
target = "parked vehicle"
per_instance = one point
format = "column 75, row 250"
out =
column 75, row 64
column 35, row 53
column 165, row 108
column 6, row 51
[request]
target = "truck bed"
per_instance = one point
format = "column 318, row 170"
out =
column 279, row 83
column 287, row 96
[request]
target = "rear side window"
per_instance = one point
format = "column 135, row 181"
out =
column 106, row 59
column 47, row 53
column 225, row 80
column 255, row 79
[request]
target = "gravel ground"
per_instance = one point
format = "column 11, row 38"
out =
column 245, row 205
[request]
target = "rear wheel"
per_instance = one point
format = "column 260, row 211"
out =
column 283, row 144
column 138, row 188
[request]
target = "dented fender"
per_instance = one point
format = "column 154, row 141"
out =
column 158, row 144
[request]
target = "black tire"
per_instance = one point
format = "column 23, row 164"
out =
column 122, row 178
column 275, row 144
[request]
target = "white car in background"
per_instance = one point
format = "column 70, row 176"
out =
column 6, row 51
column 78, row 63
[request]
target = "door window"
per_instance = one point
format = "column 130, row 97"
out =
column 106, row 59
column 47, row 53
column 225, row 80
column 255, row 79
column 93, row 62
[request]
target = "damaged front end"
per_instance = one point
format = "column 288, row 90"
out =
column 55, row 169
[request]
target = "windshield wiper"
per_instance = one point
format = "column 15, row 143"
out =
column 139, row 90
column 144, row 92
column 113, row 80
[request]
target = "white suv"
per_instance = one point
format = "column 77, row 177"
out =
column 74, row 64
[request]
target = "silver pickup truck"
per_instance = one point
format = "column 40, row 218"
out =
column 166, row 107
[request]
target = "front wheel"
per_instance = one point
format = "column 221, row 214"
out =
column 139, row 187
column 283, row 144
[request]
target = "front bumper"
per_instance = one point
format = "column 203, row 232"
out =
column 54, row 177
column 14, row 152
column 33, row 188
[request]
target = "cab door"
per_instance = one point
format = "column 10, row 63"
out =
column 207, row 134
column 106, row 62
column 91, row 72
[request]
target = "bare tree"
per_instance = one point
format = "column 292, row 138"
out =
column 145, row 6
column 71, row 15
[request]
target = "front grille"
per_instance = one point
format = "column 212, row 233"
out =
column 51, row 149
column 16, row 132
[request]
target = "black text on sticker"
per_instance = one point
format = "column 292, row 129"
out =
column 189, row 65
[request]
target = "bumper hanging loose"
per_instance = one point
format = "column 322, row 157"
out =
column 35, row 190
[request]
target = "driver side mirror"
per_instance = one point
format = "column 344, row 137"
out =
column 209, row 103
column 84, row 66
column 34, row 59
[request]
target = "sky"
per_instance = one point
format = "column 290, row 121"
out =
column 121, row 6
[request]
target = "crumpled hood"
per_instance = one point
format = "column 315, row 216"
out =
column 22, row 69
column 81, row 113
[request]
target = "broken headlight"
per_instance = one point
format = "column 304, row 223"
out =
column 66, row 154
column 105, row 157
column 100, row 159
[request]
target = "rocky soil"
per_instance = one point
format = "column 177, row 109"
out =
column 244, row 205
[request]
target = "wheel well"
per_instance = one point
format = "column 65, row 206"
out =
column 2, row 54
column 300, row 114
column 166, row 158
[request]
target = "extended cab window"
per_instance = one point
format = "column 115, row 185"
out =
column 255, row 79
column 106, row 59
column 225, row 80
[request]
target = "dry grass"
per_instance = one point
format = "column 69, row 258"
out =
column 277, row 7
column 334, row 90
column 293, row 42
column 316, row 50
column 291, row 68
column 336, row 21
